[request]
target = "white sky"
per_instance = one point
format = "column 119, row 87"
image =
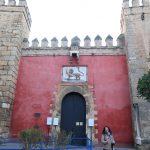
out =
column 58, row 18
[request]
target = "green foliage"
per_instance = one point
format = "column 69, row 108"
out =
column 35, row 136
column 144, row 86
column 31, row 136
column 63, row 138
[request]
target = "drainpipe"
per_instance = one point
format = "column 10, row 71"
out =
column 137, row 126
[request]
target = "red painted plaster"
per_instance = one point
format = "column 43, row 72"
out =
column 38, row 79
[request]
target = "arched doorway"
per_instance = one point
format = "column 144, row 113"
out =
column 73, row 116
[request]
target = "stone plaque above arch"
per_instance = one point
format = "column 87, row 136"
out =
column 74, row 74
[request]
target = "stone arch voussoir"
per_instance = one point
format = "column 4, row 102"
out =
column 81, row 89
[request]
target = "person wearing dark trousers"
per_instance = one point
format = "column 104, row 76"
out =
column 107, row 139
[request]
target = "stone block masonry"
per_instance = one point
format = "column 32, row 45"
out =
column 15, row 25
column 135, row 25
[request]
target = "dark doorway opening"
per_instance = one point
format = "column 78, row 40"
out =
column 73, row 117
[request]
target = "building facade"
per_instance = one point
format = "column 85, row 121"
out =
column 75, row 84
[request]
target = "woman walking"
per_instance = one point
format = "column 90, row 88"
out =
column 107, row 139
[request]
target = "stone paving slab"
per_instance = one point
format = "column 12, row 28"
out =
column 16, row 146
column 19, row 146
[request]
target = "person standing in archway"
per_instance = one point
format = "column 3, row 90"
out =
column 107, row 139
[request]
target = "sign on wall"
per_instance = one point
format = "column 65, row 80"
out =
column 74, row 74
column 49, row 121
column 91, row 122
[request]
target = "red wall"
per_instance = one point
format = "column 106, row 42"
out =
column 38, row 79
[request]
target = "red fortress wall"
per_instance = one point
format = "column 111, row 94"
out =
column 38, row 79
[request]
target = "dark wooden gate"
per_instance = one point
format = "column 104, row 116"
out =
column 73, row 117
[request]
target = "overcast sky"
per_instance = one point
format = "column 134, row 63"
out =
column 58, row 18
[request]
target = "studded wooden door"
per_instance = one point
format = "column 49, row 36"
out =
column 73, row 117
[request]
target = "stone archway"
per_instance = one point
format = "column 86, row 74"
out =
column 82, row 89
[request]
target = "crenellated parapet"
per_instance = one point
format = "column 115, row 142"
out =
column 75, row 42
column 52, row 48
column 135, row 3
column 14, row 3
column 13, row 6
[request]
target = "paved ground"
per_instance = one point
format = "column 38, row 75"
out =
column 17, row 146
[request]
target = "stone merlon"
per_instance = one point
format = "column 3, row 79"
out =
column 97, row 38
column 54, row 42
column 64, row 39
column 135, row 3
column 11, row 2
column 64, row 42
column 75, row 41
column 98, row 41
column 87, row 38
column 121, row 40
column 125, row 3
column 146, row 2
column 25, row 43
column 35, row 43
column 22, row 3
column 87, row 42
column 109, row 37
column 54, row 39
column 44, row 42
column 109, row 41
